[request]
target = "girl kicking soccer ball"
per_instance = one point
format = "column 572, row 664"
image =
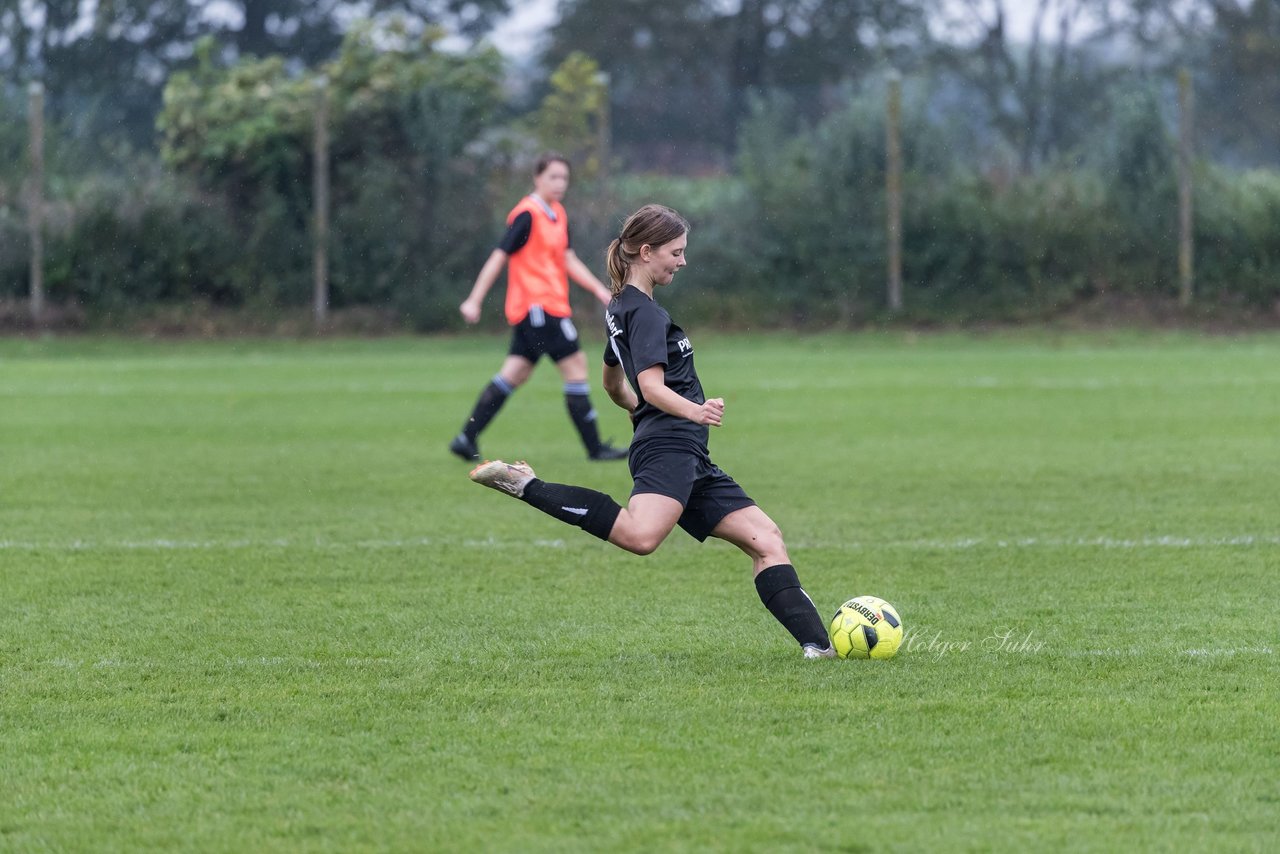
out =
column 648, row 371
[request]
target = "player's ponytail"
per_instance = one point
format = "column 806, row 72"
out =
column 617, row 267
column 652, row 224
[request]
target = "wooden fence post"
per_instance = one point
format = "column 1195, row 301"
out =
column 320, row 202
column 1186, row 272
column 893, row 188
column 35, row 197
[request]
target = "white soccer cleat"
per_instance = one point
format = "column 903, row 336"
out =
column 811, row 651
column 510, row 478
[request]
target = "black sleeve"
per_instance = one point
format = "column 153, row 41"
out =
column 517, row 233
column 610, row 357
column 647, row 337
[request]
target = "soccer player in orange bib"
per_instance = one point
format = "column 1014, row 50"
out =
column 540, row 260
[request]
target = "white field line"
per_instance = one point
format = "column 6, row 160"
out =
column 1108, row 383
column 964, row 543
column 363, row 663
column 278, row 543
column 981, row 383
column 1133, row 652
column 74, row 387
column 960, row 544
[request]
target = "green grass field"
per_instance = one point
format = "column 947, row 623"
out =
column 248, row 602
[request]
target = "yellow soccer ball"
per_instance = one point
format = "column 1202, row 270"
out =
column 866, row 627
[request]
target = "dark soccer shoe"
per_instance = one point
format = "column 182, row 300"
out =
column 609, row 452
column 464, row 447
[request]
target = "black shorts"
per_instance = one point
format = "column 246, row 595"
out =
column 681, row 470
column 541, row 333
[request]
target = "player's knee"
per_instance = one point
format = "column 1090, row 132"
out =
column 768, row 541
column 646, row 544
column 516, row 372
column 639, row 542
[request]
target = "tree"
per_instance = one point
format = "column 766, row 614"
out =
column 683, row 71
column 311, row 30
column 104, row 62
column 569, row 119
column 1240, row 87
column 1233, row 50
column 409, row 165
column 101, row 63
column 1041, row 95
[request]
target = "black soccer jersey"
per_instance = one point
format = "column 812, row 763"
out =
column 642, row 335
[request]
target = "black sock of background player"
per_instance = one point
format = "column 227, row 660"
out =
column 593, row 512
column 487, row 405
column 781, row 593
column 583, row 414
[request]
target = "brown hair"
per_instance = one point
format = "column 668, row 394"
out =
column 652, row 224
column 547, row 159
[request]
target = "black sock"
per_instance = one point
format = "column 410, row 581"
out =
column 583, row 415
column 593, row 512
column 487, row 405
column 780, row 591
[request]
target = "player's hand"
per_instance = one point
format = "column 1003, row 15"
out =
column 470, row 311
column 711, row 413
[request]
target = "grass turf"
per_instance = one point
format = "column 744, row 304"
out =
column 249, row 602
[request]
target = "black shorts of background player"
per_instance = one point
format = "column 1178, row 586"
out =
column 541, row 261
column 649, row 372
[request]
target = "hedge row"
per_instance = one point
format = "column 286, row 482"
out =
column 794, row 237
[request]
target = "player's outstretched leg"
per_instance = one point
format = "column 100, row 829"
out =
column 751, row 530
column 592, row 511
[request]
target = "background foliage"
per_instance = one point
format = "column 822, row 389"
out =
column 1040, row 171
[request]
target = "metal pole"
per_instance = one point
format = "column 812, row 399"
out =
column 1186, row 248
column 893, row 188
column 35, row 198
column 320, row 201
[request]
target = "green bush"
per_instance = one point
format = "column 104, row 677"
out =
column 975, row 250
column 15, row 252
column 137, row 243
column 798, row 237
column 1237, row 230
column 409, row 173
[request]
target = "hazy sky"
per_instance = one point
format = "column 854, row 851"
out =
column 518, row 34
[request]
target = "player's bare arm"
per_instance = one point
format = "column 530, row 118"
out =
column 615, row 385
column 655, row 390
column 582, row 274
column 470, row 307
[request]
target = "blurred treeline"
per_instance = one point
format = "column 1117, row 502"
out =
column 1040, row 158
